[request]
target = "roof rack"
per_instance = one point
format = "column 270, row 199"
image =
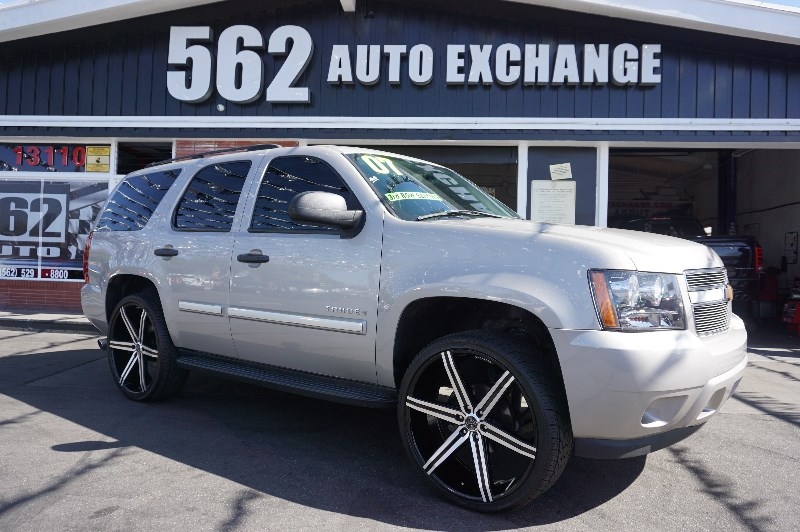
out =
column 252, row 147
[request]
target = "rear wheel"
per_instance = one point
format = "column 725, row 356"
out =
column 140, row 350
column 482, row 419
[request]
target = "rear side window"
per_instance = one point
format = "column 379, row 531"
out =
column 284, row 179
column 134, row 202
column 210, row 200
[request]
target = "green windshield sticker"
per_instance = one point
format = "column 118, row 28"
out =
column 398, row 196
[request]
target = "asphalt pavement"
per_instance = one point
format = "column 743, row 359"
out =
column 76, row 455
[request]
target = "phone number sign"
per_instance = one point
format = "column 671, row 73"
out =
column 33, row 231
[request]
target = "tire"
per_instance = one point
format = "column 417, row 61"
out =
column 483, row 419
column 140, row 351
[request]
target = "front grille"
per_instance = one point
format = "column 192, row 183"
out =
column 711, row 316
column 699, row 280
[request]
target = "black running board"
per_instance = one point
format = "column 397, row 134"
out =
column 297, row 382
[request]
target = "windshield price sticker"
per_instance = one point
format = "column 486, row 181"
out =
column 399, row 196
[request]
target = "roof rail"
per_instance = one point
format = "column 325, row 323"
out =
column 252, row 147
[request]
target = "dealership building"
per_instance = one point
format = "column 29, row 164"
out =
column 568, row 111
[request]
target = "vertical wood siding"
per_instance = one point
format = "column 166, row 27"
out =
column 120, row 70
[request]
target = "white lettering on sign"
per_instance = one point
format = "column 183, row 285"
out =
column 239, row 76
column 420, row 64
column 537, row 64
column 455, row 63
column 369, row 64
column 234, row 64
column 507, row 69
column 395, row 53
column 28, row 252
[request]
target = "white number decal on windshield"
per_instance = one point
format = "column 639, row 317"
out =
column 381, row 165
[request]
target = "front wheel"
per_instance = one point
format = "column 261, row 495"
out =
column 140, row 350
column 483, row 420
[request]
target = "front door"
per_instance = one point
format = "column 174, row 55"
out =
column 305, row 297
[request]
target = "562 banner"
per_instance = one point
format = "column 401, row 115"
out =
column 44, row 225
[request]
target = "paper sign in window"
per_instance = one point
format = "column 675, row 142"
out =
column 553, row 202
column 560, row 171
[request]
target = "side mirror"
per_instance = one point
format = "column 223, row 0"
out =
column 323, row 208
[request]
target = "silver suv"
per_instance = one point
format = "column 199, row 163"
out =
column 380, row 280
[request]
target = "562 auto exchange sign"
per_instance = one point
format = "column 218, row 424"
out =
column 233, row 63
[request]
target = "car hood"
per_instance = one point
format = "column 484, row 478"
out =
column 647, row 251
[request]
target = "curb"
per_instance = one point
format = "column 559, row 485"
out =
column 51, row 326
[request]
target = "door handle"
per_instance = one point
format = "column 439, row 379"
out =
column 256, row 258
column 165, row 252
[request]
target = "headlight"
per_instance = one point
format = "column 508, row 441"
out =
column 637, row 301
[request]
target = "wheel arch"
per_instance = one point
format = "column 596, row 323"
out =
column 424, row 320
column 123, row 284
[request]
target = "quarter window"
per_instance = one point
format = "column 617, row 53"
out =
column 284, row 179
column 135, row 200
column 210, row 200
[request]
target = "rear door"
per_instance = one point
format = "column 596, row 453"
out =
column 194, row 255
column 311, row 303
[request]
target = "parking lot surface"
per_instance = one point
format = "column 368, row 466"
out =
column 77, row 455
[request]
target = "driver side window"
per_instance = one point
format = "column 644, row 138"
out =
column 284, row 179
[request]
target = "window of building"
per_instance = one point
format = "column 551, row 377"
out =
column 132, row 156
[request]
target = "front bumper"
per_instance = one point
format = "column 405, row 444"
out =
column 599, row 448
column 633, row 393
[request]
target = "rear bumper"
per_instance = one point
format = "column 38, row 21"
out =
column 93, row 306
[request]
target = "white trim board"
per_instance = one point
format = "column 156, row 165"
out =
column 401, row 123
column 756, row 19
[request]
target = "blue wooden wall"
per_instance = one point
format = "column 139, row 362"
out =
column 120, row 70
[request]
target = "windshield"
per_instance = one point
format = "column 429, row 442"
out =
column 414, row 190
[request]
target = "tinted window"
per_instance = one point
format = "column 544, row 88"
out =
column 284, row 179
column 209, row 202
column 134, row 202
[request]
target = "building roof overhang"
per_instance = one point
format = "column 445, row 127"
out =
column 753, row 19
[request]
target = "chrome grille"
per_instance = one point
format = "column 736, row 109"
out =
column 706, row 279
column 711, row 310
column 711, row 318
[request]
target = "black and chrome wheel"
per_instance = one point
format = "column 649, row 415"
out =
column 481, row 419
column 140, row 350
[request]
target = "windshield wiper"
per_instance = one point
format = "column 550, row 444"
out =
column 445, row 214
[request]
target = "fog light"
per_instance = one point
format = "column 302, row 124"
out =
column 662, row 411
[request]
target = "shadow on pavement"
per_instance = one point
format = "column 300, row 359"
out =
column 314, row 453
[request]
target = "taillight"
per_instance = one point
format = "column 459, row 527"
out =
column 86, row 256
column 759, row 260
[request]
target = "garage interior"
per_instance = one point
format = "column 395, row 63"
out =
column 724, row 189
